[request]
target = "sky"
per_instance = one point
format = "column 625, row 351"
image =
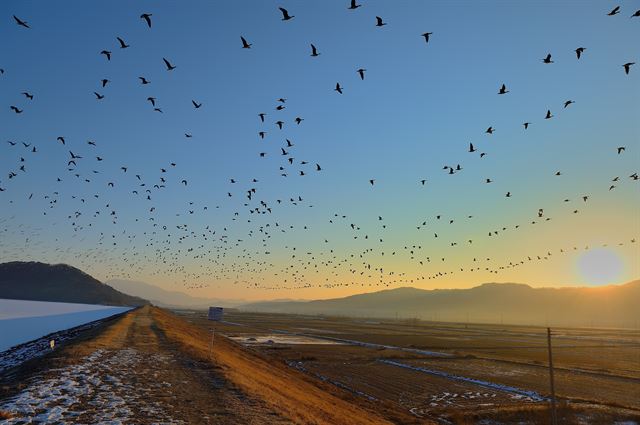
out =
column 417, row 109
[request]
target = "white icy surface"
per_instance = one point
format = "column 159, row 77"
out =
column 22, row 321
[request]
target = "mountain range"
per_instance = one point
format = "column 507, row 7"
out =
column 608, row 306
column 58, row 282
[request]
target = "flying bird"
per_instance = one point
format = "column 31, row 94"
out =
column 548, row 116
column 426, row 36
column 372, row 181
column 361, row 71
column 314, row 51
column 15, row 109
column 471, row 148
column 21, row 22
column 60, row 139
column 107, row 54
column 104, row 82
column 614, row 11
column 580, row 51
column 123, row 45
column 168, row 64
column 379, row 22
column 627, row 67
column 196, row 104
column 547, row 59
column 621, row 149
column 568, row 102
column 147, row 18
column 503, row 90
column 490, row 130
column 98, row 95
column 636, row 14
column 144, row 80
column 338, row 88
column 152, row 100
column 526, row 125
column 262, row 115
column 28, row 95
column 354, row 5
column 245, row 44
column 285, row 14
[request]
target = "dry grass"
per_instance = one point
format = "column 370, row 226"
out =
column 5, row 415
column 567, row 414
column 293, row 394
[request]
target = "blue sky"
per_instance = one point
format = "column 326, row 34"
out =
column 417, row 109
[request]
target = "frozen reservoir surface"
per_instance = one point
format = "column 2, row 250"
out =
column 23, row 321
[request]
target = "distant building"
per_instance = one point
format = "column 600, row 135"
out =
column 215, row 313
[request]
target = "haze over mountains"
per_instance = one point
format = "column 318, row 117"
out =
column 610, row 306
column 58, row 282
column 165, row 298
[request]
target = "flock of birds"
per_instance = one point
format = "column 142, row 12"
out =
column 246, row 261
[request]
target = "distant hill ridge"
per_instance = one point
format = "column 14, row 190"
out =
column 513, row 303
column 58, row 282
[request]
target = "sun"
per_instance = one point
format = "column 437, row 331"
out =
column 600, row 266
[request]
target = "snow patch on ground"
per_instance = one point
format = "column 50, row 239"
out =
column 281, row 339
column 516, row 393
column 92, row 391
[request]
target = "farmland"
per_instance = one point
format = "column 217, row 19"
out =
column 450, row 372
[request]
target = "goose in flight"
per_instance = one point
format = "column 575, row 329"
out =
column 285, row 14
column 147, row 18
column 168, row 64
column 21, row 22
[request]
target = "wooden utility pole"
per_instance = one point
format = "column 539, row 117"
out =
column 554, row 417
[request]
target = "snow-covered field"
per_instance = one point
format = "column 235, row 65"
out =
column 23, row 321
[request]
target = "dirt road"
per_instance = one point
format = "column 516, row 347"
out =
column 130, row 373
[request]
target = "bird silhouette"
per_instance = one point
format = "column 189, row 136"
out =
column 526, row 125
column 636, row 14
column 98, row 95
column 426, row 36
column 379, row 22
column 104, row 82
column 568, row 102
column 490, row 130
column 621, row 149
column 144, row 80
column 614, row 11
column 245, row 44
column 147, row 18
column 285, row 14
column 123, row 45
column 353, row 5
column 361, row 71
column 262, row 115
column 168, row 65
column 627, row 67
column 547, row 59
column 107, row 54
column 314, row 51
column 580, row 51
column 196, row 104
column 21, row 22
column 338, row 88
column 15, row 109
column 152, row 100
column 503, row 90
column 549, row 115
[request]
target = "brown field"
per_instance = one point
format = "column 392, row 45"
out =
column 597, row 371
